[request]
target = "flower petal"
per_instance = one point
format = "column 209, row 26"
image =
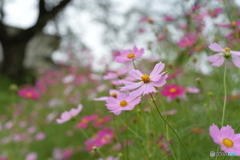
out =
column 136, row 74
column 236, row 60
column 157, row 69
column 215, row 47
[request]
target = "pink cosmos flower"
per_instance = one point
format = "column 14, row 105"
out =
column 128, row 56
column 232, row 24
column 188, row 41
column 172, row 91
column 168, row 18
column 214, row 13
column 102, row 138
column 29, row 93
column 169, row 112
column 100, row 121
column 192, row 90
column 112, row 93
column 31, row 156
column 147, row 19
column 118, row 73
column 163, row 144
column 40, row 136
column 226, row 53
column 147, row 83
column 67, row 115
column 85, row 120
column 122, row 102
column 225, row 137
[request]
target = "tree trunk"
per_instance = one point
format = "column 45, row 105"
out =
column 13, row 56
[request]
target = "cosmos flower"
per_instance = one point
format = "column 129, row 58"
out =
column 232, row 24
column 67, row 115
column 85, row 120
column 173, row 91
column 112, row 93
column 147, row 82
column 226, row 53
column 225, row 137
column 121, row 103
column 100, row 121
column 147, row 19
column 128, row 56
column 188, row 40
column 103, row 137
column 29, row 93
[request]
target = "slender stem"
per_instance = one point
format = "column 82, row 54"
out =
column 134, row 65
column 170, row 127
column 225, row 94
column 126, row 114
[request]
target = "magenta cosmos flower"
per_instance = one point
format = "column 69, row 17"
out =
column 225, row 137
column 172, row 91
column 224, row 53
column 122, row 102
column 29, row 93
column 127, row 56
column 147, row 82
column 67, row 115
column 85, row 120
column 232, row 24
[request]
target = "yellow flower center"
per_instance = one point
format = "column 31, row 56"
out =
column 123, row 103
column 227, row 142
column 160, row 144
column 227, row 53
column 145, row 78
column 197, row 48
column 114, row 95
column 29, row 94
column 131, row 55
column 84, row 121
column 227, row 49
column 150, row 20
column 100, row 120
column 172, row 90
column 233, row 23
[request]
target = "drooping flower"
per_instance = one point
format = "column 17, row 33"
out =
column 163, row 144
column 226, row 138
column 67, row 115
column 147, row 82
column 85, row 120
column 173, row 91
column 29, row 93
column 113, row 93
column 122, row 102
column 128, row 56
column 224, row 53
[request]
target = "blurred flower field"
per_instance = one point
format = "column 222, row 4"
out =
column 175, row 99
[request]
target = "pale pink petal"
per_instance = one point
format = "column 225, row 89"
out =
column 61, row 121
column 235, row 52
column 215, row 57
column 157, row 69
column 149, row 89
column 134, row 49
column 122, row 96
column 160, row 82
column 101, row 99
column 125, row 53
column 236, row 60
column 110, row 76
column 112, row 91
column 136, row 74
column 131, row 87
column 136, row 101
column 112, row 106
column 215, row 134
column 112, row 100
column 215, row 47
column 139, row 91
column 227, row 131
column 121, row 59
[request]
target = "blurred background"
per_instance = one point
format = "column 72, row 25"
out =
column 54, row 55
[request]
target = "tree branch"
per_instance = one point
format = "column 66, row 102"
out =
column 43, row 17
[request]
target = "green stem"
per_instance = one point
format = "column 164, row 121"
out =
column 170, row 127
column 134, row 65
column 225, row 94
